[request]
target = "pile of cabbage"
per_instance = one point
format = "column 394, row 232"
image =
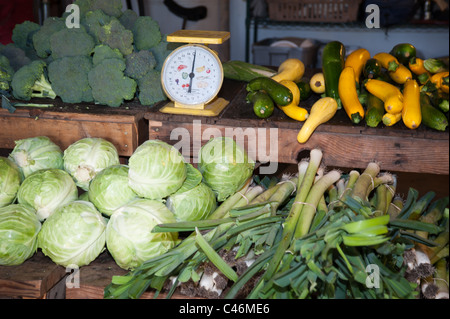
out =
column 75, row 204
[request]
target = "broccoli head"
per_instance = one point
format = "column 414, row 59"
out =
column 150, row 90
column 22, row 34
column 69, row 78
column 16, row 56
column 71, row 42
column 41, row 38
column 31, row 81
column 94, row 21
column 112, row 8
column 116, row 36
column 6, row 73
column 128, row 18
column 102, row 52
column 146, row 33
column 139, row 63
column 110, row 86
column 84, row 5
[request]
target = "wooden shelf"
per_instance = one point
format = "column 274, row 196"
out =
column 345, row 145
column 64, row 124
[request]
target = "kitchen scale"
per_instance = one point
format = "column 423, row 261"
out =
column 192, row 75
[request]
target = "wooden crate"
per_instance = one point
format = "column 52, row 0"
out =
column 37, row 278
column 64, row 124
column 397, row 148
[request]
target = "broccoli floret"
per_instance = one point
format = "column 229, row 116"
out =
column 16, row 56
column 6, row 74
column 112, row 8
column 162, row 50
column 69, row 78
column 84, row 5
column 41, row 38
column 94, row 21
column 71, row 42
column 110, row 86
column 116, row 36
column 31, row 81
column 146, row 33
column 22, row 34
column 139, row 63
column 149, row 88
column 128, row 18
column 102, row 52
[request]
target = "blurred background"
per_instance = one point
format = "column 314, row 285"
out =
column 251, row 22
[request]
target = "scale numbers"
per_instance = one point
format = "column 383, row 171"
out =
column 192, row 75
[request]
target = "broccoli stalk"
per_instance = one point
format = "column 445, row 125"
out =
column 30, row 81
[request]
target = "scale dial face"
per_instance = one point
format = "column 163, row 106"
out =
column 192, row 75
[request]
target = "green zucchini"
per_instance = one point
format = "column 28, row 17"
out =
column 372, row 69
column 279, row 93
column 333, row 61
column 375, row 110
column 305, row 89
column 404, row 52
column 440, row 100
column 243, row 71
column 431, row 116
column 262, row 104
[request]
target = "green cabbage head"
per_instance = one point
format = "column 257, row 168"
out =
column 194, row 200
column 87, row 157
column 156, row 170
column 129, row 236
column 10, row 180
column 225, row 166
column 109, row 189
column 46, row 190
column 36, row 153
column 19, row 228
column 74, row 235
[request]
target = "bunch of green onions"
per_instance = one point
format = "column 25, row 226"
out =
column 313, row 235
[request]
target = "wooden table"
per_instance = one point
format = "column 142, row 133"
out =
column 64, row 124
column 344, row 145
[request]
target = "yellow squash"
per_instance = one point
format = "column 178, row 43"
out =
column 411, row 113
column 290, row 70
column 321, row 111
column 390, row 119
column 416, row 66
column 357, row 59
column 401, row 75
column 388, row 93
column 387, row 61
column 397, row 71
column 317, row 83
column 349, row 95
column 293, row 110
column 438, row 80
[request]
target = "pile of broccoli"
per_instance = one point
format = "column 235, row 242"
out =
column 114, row 56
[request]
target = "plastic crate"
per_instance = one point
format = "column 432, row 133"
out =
column 314, row 10
column 267, row 55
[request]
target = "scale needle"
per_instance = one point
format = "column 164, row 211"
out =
column 192, row 74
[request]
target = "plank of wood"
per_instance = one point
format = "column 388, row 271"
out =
column 126, row 129
column 351, row 150
column 32, row 279
column 97, row 275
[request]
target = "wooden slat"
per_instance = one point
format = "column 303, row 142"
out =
column 32, row 279
column 125, row 128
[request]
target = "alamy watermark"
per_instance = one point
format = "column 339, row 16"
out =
column 373, row 277
column 261, row 144
column 73, row 279
column 373, row 17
